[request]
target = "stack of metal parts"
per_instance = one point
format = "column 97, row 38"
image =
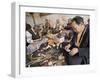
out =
column 49, row 57
column 45, row 51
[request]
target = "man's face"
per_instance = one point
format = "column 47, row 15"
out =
column 76, row 27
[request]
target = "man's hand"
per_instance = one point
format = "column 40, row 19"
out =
column 68, row 46
column 74, row 51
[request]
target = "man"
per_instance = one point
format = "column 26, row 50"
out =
column 68, row 27
column 28, row 35
column 47, row 27
column 31, row 35
column 79, row 50
column 58, row 25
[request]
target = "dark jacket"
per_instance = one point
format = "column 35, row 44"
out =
column 82, row 57
column 34, row 36
column 85, row 47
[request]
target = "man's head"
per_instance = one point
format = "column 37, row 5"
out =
column 57, row 21
column 46, row 20
column 69, row 20
column 77, row 24
column 28, row 27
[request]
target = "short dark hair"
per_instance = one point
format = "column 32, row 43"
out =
column 78, row 20
column 28, row 26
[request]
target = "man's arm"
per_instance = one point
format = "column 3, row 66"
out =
column 74, row 51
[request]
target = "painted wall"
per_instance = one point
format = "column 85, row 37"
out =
column 35, row 19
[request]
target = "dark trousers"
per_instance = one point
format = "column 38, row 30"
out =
column 73, row 60
column 82, row 58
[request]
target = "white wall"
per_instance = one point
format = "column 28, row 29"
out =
column 29, row 19
column 33, row 19
column 37, row 18
column 5, row 39
column 62, row 17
